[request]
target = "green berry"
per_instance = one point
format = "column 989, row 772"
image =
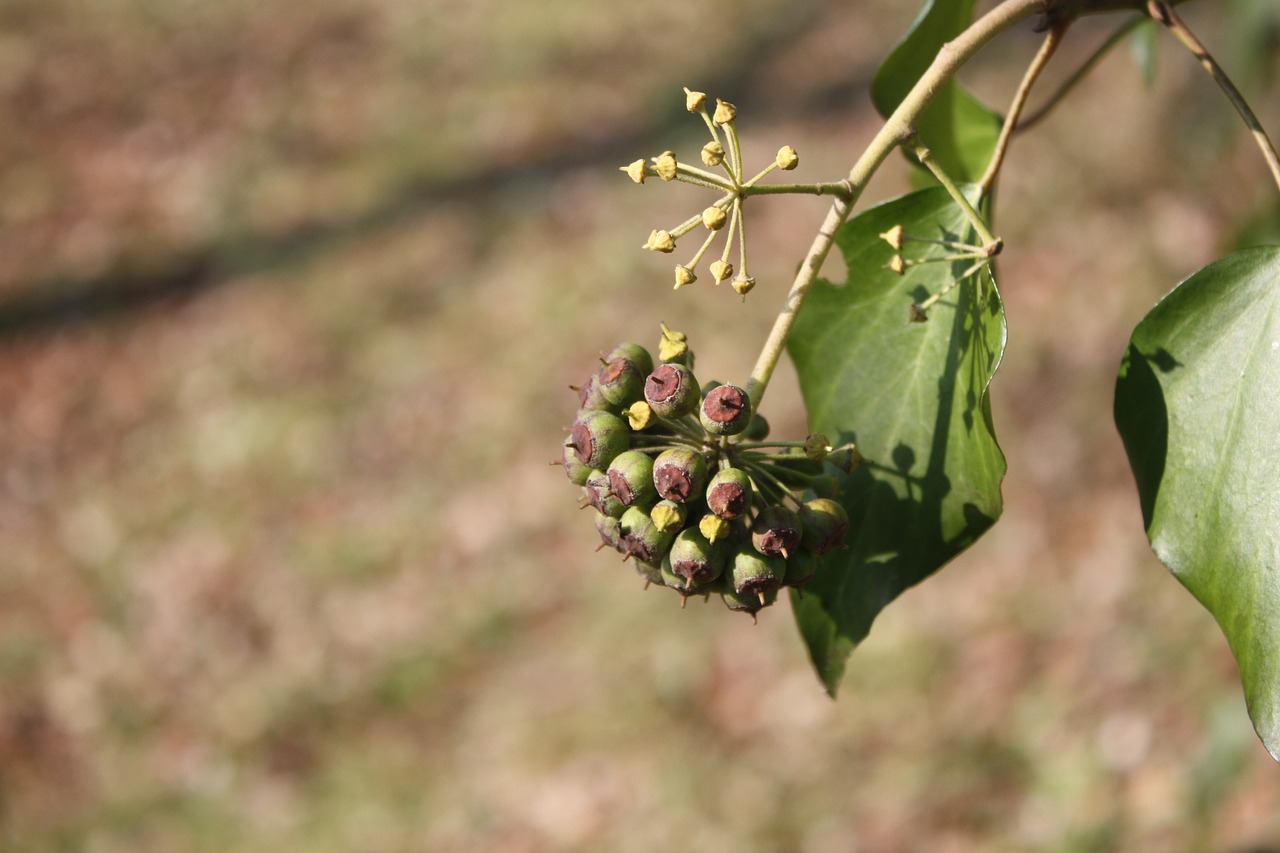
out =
column 631, row 478
column 710, row 385
column 641, row 538
column 743, row 603
column 671, row 390
column 610, row 530
column 597, row 437
column 576, row 471
column 621, row 382
column 680, row 474
column 757, row 429
column 683, row 585
column 776, row 531
column 726, row 410
column 635, row 353
column 590, row 397
column 599, row 494
column 801, row 567
column 825, row 525
column 694, row 559
column 729, row 493
column 752, row 573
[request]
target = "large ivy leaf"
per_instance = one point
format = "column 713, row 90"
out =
column 959, row 130
column 914, row 398
column 1198, row 406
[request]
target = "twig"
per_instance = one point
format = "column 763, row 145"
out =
column 1080, row 73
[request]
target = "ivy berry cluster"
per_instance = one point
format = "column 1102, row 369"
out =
column 686, row 486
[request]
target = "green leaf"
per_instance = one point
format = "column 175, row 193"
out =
column 959, row 130
column 1144, row 44
column 914, row 398
column 1198, row 406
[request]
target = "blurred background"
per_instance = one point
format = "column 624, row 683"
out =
column 290, row 295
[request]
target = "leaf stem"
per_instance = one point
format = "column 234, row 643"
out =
column 1162, row 11
column 949, row 59
column 1080, row 73
column 991, row 244
column 1047, row 48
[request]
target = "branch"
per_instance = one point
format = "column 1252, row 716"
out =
column 1162, row 11
column 896, row 128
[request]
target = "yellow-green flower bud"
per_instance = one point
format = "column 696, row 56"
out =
column 694, row 101
column 714, row 528
column 635, row 171
column 744, row 284
column 725, row 112
column 713, row 154
column 660, row 241
column 714, row 218
column 639, row 415
column 668, row 516
column 665, row 165
column 672, row 347
column 721, row 270
column 684, row 276
column 787, row 158
column 896, row 265
column 893, row 237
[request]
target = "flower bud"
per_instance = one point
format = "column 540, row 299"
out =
column 636, row 353
column 660, row 241
column 846, row 458
column 684, row 276
column 668, row 516
column 725, row 411
column 631, row 478
column 787, row 158
column 816, row 447
column 639, row 415
column 715, row 528
column 896, row 265
column 665, row 165
column 894, row 237
column 757, row 429
column 752, row 573
column 635, row 171
column 674, row 348
column 599, row 494
column 729, row 493
column 576, row 471
column 621, row 382
column 776, row 532
column 694, row 101
column 695, row 559
column 721, row 270
column 714, row 218
column 744, row 284
column 671, row 390
column 597, row 437
column 825, row 525
column 680, row 474
column 641, row 538
column 725, row 112
column 712, row 154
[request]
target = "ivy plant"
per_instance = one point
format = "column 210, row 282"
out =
column 902, row 469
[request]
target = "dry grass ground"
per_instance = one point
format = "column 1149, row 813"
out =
column 290, row 296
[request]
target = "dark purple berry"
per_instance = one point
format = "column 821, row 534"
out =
column 597, row 437
column 729, row 493
column 680, row 474
column 726, row 410
column 671, row 390
column 631, row 478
